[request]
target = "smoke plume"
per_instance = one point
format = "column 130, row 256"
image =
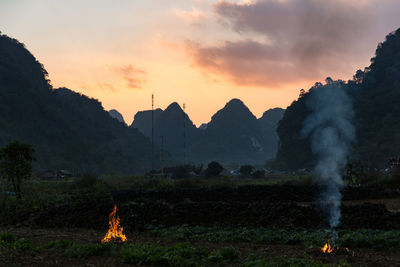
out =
column 331, row 132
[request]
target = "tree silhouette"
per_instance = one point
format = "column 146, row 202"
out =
column 16, row 163
column 246, row 170
column 214, row 169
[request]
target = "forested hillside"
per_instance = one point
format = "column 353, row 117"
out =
column 376, row 97
column 68, row 130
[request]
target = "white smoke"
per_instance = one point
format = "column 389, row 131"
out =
column 331, row 132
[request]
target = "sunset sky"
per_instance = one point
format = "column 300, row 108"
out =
column 199, row 52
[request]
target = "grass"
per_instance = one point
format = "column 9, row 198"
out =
column 177, row 254
column 376, row 239
column 10, row 242
column 146, row 183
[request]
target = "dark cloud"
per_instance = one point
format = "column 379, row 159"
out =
column 133, row 76
column 304, row 39
column 246, row 62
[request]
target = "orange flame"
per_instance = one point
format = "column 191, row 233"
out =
column 115, row 230
column 327, row 248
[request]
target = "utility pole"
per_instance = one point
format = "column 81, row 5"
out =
column 184, row 134
column 162, row 154
column 152, row 132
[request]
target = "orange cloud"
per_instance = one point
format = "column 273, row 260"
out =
column 307, row 40
column 133, row 76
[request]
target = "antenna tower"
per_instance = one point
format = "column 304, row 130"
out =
column 152, row 132
column 184, row 134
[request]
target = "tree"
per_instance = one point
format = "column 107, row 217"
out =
column 246, row 170
column 16, row 163
column 213, row 169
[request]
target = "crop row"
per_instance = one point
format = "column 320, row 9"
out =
column 178, row 254
column 377, row 239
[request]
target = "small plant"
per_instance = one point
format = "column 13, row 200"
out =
column 23, row 244
column 59, row 244
column 7, row 237
column 229, row 254
column 77, row 250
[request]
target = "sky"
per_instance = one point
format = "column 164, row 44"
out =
column 198, row 52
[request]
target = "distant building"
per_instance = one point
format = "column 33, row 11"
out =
column 53, row 174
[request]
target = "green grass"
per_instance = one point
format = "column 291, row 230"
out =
column 376, row 239
column 146, row 183
column 10, row 242
column 184, row 254
column 178, row 254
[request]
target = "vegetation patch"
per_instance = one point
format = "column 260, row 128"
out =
column 376, row 239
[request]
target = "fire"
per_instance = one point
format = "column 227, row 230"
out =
column 115, row 230
column 327, row 248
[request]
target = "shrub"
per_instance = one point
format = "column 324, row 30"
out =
column 7, row 237
column 213, row 169
column 23, row 244
column 229, row 254
column 246, row 170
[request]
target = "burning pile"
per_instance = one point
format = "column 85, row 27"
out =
column 115, row 230
column 328, row 249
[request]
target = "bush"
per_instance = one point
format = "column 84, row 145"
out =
column 214, row 169
column 394, row 179
column 7, row 237
column 246, row 170
column 23, row 244
column 183, row 171
column 229, row 254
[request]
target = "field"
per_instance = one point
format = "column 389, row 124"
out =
column 196, row 222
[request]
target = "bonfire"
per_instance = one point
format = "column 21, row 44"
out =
column 115, row 230
column 328, row 249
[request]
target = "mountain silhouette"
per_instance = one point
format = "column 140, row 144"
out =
column 234, row 135
column 269, row 123
column 116, row 115
column 68, row 130
column 170, row 126
column 376, row 97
